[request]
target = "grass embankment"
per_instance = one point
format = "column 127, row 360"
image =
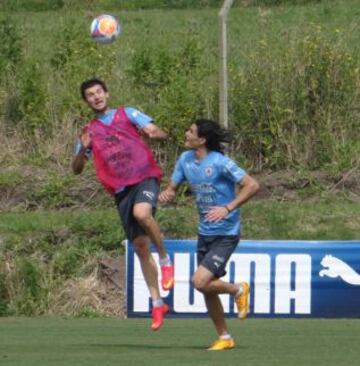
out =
column 47, row 255
column 293, row 80
column 325, row 219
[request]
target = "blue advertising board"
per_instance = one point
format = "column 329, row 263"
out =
column 292, row 279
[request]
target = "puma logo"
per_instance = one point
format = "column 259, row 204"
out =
column 335, row 267
column 148, row 194
column 216, row 257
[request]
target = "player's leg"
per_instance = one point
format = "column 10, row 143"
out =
column 216, row 313
column 143, row 212
column 150, row 273
column 137, row 236
column 213, row 255
column 240, row 291
column 148, row 265
column 202, row 279
column 143, row 215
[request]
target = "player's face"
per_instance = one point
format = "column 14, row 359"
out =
column 192, row 139
column 96, row 97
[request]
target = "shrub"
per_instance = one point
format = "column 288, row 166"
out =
column 26, row 288
column 52, row 193
column 289, row 108
column 10, row 45
column 66, row 261
column 4, row 296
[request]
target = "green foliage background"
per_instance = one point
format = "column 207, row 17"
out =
column 294, row 79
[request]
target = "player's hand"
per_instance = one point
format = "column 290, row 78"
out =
column 216, row 213
column 167, row 195
column 85, row 137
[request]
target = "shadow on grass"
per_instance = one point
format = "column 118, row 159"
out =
column 156, row 346
column 144, row 346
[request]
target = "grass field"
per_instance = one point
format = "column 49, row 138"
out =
column 108, row 341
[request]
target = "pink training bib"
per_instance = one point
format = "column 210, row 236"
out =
column 121, row 156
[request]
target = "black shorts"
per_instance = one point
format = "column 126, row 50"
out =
column 145, row 191
column 213, row 252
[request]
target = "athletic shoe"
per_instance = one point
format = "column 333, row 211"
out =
column 167, row 277
column 158, row 315
column 222, row 345
column 242, row 301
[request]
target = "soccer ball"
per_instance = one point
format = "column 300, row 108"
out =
column 105, row 28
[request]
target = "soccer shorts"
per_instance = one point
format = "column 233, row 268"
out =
column 213, row 252
column 145, row 191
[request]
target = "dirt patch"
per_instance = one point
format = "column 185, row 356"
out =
column 112, row 272
column 32, row 190
column 293, row 185
column 102, row 292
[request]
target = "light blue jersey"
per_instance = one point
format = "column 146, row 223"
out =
column 136, row 117
column 213, row 183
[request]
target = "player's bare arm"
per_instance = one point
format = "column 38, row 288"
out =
column 248, row 188
column 154, row 132
column 79, row 160
column 168, row 194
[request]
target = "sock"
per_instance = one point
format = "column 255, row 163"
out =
column 240, row 291
column 165, row 261
column 157, row 303
column 225, row 336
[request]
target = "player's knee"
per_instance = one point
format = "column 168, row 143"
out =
column 199, row 283
column 144, row 218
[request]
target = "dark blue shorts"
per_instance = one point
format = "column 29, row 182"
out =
column 213, row 252
column 145, row 191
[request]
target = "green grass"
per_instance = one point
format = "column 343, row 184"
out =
column 103, row 341
column 326, row 219
column 41, row 220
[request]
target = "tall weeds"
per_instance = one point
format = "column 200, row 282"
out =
column 298, row 106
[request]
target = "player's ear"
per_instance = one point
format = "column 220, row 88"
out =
column 202, row 140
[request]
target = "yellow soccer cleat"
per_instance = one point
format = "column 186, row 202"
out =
column 242, row 301
column 222, row 345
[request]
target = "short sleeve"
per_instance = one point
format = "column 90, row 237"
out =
column 232, row 171
column 137, row 118
column 178, row 175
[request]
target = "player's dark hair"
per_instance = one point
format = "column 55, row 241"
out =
column 214, row 134
column 90, row 83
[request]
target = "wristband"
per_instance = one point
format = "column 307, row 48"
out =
column 227, row 208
